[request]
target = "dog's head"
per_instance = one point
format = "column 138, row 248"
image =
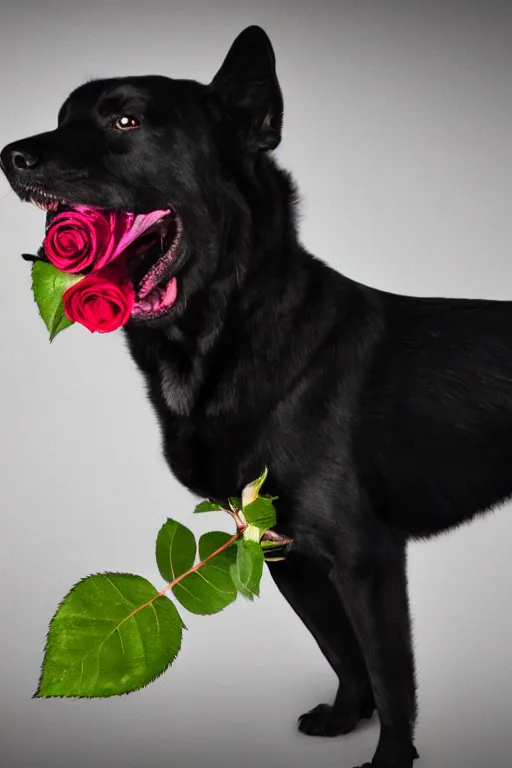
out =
column 141, row 144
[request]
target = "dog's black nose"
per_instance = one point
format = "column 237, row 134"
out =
column 24, row 159
column 18, row 159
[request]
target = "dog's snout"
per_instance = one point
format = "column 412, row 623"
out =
column 17, row 159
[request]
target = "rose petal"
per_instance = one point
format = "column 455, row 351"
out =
column 139, row 225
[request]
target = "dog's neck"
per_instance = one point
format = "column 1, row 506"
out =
column 190, row 357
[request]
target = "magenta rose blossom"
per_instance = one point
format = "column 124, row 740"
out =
column 76, row 240
column 91, row 237
column 103, row 300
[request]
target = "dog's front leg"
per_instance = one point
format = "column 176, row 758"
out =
column 306, row 585
column 370, row 576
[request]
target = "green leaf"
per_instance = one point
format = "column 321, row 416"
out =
column 241, row 571
column 261, row 513
column 235, row 502
column 94, row 648
column 211, row 541
column 209, row 589
column 208, row 506
column 175, row 550
column 246, row 573
column 273, row 550
column 251, row 491
column 48, row 286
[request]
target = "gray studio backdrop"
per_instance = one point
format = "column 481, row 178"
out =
column 398, row 126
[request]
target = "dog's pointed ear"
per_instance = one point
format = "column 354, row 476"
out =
column 248, row 87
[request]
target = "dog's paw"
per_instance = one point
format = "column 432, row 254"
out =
column 325, row 720
column 386, row 765
column 408, row 764
column 395, row 763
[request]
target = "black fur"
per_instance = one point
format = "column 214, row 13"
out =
column 381, row 417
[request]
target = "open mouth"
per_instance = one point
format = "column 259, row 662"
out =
column 151, row 263
column 150, row 257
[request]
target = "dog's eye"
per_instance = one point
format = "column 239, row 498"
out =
column 126, row 123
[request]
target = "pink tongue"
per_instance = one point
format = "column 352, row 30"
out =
column 158, row 299
column 135, row 226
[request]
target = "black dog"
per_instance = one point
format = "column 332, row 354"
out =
column 382, row 418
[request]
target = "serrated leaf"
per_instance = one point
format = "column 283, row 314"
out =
column 247, row 571
column 94, row 649
column 210, row 589
column 175, row 549
column 261, row 513
column 48, row 287
column 251, row 491
column 208, row 506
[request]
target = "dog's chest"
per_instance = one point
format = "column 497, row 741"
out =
column 209, row 445
column 211, row 459
column 178, row 393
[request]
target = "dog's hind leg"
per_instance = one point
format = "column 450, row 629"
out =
column 308, row 589
column 371, row 578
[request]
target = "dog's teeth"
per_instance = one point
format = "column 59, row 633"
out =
column 49, row 204
column 43, row 200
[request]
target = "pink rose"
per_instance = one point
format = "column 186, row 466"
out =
column 76, row 240
column 103, row 300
